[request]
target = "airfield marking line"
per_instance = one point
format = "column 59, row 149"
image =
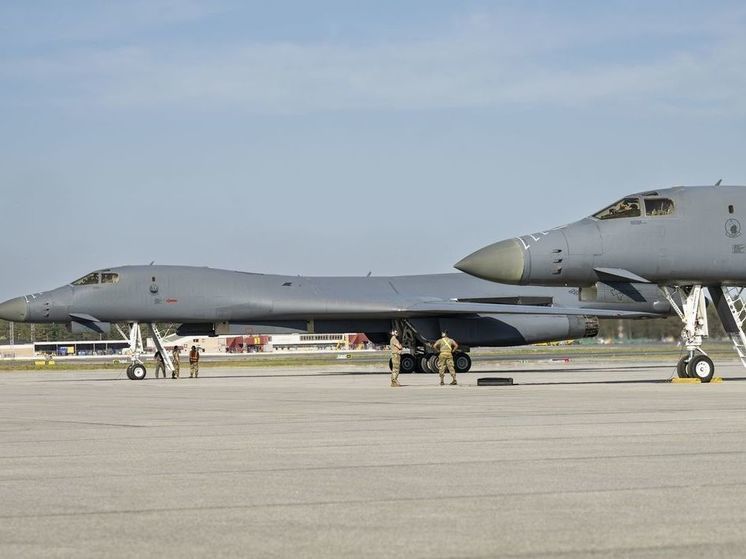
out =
column 614, row 551
column 95, row 423
column 382, row 431
column 390, row 466
column 388, row 444
column 441, row 498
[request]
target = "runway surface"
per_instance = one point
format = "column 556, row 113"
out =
column 580, row 459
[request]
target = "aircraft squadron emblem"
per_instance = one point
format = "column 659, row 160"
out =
column 733, row 228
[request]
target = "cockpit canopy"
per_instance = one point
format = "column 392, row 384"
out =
column 96, row 278
column 633, row 206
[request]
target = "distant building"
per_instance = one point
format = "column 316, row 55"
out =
column 212, row 345
column 274, row 343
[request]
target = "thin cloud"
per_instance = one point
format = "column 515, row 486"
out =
column 27, row 25
column 485, row 65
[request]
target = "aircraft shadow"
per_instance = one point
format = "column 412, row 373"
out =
column 474, row 374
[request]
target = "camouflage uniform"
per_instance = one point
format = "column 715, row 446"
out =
column 194, row 363
column 159, row 365
column 445, row 347
column 177, row 363
column 396, row 348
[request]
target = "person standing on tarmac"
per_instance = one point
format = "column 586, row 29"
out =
column 176, row 360
column 194, row 362
column 445, row 347
column 159, row 365
column 396, row 348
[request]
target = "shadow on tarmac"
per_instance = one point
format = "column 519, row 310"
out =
column 383, row 372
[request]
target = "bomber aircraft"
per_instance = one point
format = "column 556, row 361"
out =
column 207, row 301
column 689, row 240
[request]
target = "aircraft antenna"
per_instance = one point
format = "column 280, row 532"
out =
column 719, row 182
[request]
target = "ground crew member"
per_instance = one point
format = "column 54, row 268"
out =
column 175, row 359
column 445, row 347
column 159, row 365
column 194, row 363
column 396, row 348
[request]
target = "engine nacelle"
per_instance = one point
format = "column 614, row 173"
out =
column 513, row 329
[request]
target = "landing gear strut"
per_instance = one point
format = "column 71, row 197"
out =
column 136, row 369
column 693, row 314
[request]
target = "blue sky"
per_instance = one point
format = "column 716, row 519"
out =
column 345, row 137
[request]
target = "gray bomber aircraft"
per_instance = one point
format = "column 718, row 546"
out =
column 206, row 301
column 687, row 239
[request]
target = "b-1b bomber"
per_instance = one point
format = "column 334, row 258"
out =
column 689, row 240
column 206, row 301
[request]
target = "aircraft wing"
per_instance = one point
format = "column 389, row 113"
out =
column 456, row 307
column 420, row 307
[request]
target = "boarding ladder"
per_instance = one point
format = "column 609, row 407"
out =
column 158, row 341
column 734, row 296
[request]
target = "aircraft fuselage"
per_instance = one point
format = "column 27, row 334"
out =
column 675, row 236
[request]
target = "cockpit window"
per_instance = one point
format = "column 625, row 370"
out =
column 109, row 277
column 90, row 279
column 626, row 207
column 658, row 206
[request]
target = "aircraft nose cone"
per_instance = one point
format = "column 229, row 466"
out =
column 14, row 310
column 502, row 262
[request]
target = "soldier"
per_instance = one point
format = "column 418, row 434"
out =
column 396, row 348
column 177, row 363
column 445, row 347
column 159, row 365
column 194, row 363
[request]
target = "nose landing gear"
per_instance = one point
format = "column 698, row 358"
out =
column 693, row 313
column 136, row 370
column 731, row 308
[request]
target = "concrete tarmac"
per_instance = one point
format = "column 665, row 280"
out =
column 595, row 459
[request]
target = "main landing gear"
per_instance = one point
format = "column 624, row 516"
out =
column 136, row 370
column 731, row 308
column 421, row 358
column 428, row 363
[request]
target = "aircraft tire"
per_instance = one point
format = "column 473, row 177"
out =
column 129, row 372
column 701, row 367
column 391, row 365
column 417, row 364
column 462, row 362
column 432, row 364
column 138, row 372
column 682, row 367
column 423, row 366
column 408, row 363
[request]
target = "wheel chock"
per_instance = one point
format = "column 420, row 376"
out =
column 495, row 381
column 677, row 380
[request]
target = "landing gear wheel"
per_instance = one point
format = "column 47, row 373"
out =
column 138, row 372
column 417, row 368
column 432, row 364
column 682, row 366
column 461, row 362
column 423, row 367
column 391, row 365
column 129, row 372
column 701, row 367
column 408, row 364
